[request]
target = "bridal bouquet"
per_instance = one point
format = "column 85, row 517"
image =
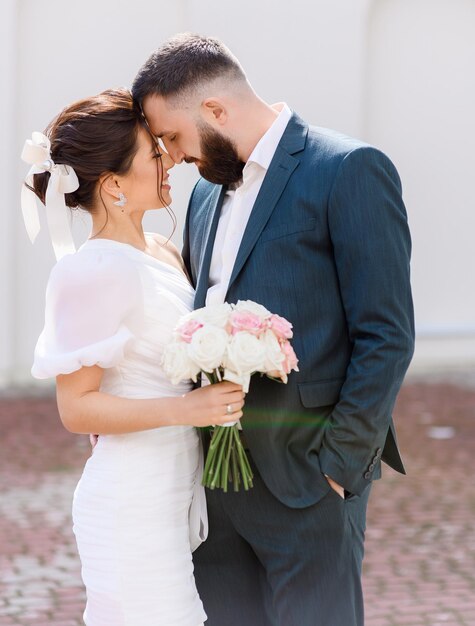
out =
column 230, row 342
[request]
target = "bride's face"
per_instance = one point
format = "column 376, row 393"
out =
column 146, row 185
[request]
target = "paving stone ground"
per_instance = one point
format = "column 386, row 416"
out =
column 420, row 546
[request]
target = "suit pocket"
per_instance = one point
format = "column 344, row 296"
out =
column 285, row 230
column 320, row 393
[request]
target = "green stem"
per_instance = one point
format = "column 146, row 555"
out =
column 220, row 454
column 244, row 458
column 215, row 437
column 211, row 376
column 235, row 468
column 246, row 471
column 225, row 472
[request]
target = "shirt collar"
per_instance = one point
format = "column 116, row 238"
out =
column 267, row 145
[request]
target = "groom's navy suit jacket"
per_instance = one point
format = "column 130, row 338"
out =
column 327, row 246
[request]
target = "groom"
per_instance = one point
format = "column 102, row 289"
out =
column 311, row 224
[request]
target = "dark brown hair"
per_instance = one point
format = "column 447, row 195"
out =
column 183, row 62
column 94, row 136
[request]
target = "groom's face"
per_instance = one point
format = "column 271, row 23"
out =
column 188, row 138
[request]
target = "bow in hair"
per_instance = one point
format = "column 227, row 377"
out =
column 37, row 153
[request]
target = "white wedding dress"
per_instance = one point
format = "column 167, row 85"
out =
column 139, row 509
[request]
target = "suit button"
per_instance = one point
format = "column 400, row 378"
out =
column 376, row 459
column 367, row 475
column 379, row 451
column 371, row 468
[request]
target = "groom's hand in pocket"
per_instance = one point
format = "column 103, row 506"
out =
column 336, row 487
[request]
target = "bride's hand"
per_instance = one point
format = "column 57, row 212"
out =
column 208, row 406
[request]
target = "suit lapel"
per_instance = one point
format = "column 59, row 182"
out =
column 277, row 177
column 213, row 213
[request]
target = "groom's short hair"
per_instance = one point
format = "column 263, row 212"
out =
column 182, row 64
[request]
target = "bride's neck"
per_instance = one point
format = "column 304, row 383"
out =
column 126, row 228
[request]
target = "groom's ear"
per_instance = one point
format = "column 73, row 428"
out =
column 214, row 111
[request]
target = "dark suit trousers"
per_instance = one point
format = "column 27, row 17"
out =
column 265, row 564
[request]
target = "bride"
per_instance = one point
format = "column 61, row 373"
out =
column 111, row 307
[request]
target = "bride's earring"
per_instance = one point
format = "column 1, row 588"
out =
column 121, row 201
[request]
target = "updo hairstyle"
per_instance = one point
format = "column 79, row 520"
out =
column 94, row 136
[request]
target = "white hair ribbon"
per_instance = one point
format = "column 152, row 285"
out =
column 63, row 179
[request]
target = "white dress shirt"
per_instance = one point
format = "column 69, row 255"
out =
column 237, row 207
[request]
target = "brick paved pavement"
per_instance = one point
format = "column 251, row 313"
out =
column 420, row 565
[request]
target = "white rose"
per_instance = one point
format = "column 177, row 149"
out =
column 274, row 354
column 177, row 364
column 216, row 314
column 208, row 347
column 252, row 307
column 246, row 354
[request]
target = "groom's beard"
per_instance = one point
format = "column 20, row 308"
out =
column 219, row 162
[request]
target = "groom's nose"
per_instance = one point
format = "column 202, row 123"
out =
column 167, row 161
column 177, row 155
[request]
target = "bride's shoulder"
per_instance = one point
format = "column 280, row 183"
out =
column 164, row 241
column 93, row 267
column 167, row 245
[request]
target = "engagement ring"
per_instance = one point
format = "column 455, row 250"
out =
column 229, row 409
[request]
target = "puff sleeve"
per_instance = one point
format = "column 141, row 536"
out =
column 93, row 309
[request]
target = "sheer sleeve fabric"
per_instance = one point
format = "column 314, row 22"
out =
column 92, row 313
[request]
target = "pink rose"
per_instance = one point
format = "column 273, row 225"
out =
column 246, row 321
column 290, row 361
column 187, row 330
column 280, row 326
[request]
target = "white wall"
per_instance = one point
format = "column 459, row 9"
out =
column 392, row 72
column 308, row 52
column 8, row 25
column 420, row 109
